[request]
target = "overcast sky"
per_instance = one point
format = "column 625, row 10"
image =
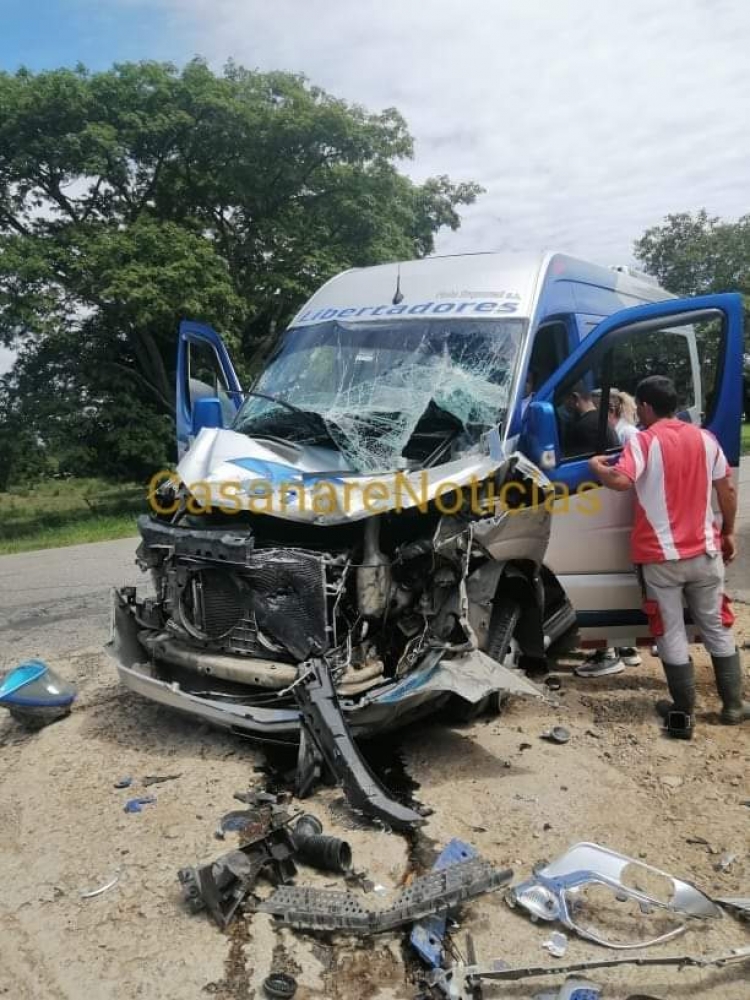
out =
column 586, row 120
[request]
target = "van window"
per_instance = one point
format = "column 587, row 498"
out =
column 583, row 429
column 549, row 351
column 206, row 378
column 662, row 352
column 709, row 337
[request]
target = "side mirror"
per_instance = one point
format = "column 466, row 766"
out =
column 539, row 439
column 206, row 413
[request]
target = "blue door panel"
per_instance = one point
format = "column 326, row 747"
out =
column 725, row 420
column 192, row 332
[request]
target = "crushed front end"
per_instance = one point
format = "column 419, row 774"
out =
column 400, row 606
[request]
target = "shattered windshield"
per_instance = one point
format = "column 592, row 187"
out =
column 368, row 387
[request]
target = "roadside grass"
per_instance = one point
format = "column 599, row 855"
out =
column 745, row 446
column 58, row 512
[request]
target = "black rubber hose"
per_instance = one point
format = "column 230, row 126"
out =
column 327, row 853
column 308, row 826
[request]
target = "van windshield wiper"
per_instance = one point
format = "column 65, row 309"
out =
column 279, row 400
column 312, row 419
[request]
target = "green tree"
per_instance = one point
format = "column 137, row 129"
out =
column 698, row 254
column 134, row 197
column 22, row 455
column 695, row 255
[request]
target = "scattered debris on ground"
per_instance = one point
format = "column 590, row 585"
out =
column 514, row 798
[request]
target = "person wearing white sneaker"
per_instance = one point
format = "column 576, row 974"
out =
column 602, row 663
column 611, row 660
column 630, row 656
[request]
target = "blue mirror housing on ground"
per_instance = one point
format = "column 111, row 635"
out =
column 35, row 695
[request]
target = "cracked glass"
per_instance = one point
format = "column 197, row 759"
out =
column 375, row 390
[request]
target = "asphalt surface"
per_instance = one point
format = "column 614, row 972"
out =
column 59, row 598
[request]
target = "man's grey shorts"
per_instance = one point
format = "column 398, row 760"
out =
column 701, row 582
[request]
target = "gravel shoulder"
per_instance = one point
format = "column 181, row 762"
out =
column 495, row 783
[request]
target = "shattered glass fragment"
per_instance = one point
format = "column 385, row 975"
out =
column 372, row 386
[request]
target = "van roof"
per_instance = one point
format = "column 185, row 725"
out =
column 487, row 284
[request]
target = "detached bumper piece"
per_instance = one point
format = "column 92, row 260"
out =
column 332, row 910
column 326, row 741
column 221, row 886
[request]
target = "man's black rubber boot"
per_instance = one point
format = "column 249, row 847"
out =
column 681, row 683
column 728, row 672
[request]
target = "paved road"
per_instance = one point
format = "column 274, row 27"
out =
column 58, row 599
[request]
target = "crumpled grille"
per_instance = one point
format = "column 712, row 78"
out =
column 287, row 595
column 280, row 592
column 212, row 603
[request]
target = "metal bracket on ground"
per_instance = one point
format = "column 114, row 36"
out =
column 326, row 737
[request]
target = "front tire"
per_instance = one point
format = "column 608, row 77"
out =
column 505, row 616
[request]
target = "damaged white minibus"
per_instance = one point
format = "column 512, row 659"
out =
column 392, row 498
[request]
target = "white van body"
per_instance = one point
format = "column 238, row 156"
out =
column 557, row 296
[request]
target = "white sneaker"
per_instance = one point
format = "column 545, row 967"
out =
column 630, row 656
column 600, row 664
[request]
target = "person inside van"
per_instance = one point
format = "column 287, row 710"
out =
column 622, row 413
column 582, row 433
column 621, row 416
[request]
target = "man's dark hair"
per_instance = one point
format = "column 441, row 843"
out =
column 659, row 392
column 580, row 388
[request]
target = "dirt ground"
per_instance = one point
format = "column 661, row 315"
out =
column 518, row 799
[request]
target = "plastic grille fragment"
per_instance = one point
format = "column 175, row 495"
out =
column 438, row 891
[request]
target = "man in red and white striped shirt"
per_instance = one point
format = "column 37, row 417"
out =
column 674, row 467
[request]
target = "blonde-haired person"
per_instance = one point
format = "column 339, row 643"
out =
column 622, row 415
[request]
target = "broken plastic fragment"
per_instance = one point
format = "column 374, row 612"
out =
column 556, row 944
column 427, row 934
column 558, row 734
column 560, row 891
column 573, row 989
column 102, row 888
column 234, row 822
column 136, row 805
column 725, row 862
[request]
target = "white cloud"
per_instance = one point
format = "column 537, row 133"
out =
column 7, row 358
column 585, row 120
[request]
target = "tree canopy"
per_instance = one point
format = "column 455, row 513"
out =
column 697, row 254
column 134, row 197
